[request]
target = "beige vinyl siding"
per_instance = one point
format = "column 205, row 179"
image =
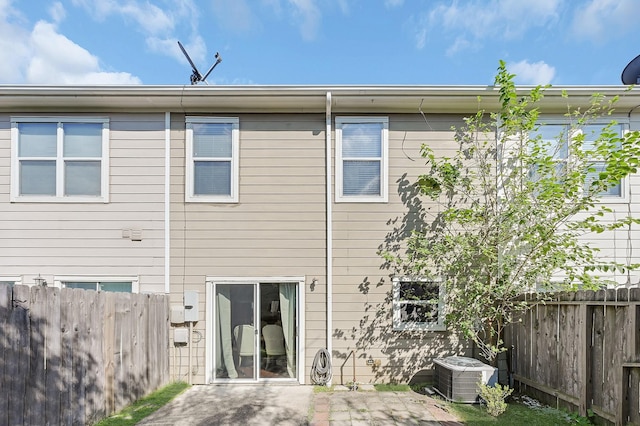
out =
column 86, row 238
column 278, row 227
column 362, row 301
column 621, row 245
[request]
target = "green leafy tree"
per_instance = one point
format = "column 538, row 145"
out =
column 513, row 207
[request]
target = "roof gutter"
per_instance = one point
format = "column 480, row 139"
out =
column 295, row 99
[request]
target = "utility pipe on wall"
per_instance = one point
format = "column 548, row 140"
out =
column 167, row 202
column 190, row 373
column 329, row 237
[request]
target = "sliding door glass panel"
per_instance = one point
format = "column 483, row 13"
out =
column 235, row 331
column 278, row 324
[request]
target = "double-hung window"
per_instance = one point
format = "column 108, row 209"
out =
column 59, row 159
column 418, row 304
column 556, row 138
column 212, row 169
column 107, row 284
column 361, row 159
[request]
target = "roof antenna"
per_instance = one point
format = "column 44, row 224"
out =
column 631, row 73
column 196, row 77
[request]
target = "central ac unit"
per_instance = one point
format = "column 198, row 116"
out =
column 457, row 378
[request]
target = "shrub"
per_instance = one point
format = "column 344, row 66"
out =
column 494, row 397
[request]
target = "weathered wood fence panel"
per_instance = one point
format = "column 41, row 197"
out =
column 71, row 356
column 581, row 351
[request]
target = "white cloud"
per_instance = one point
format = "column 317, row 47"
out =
column 57, row 12
column 41, row 55
column 196, row 49
column 532, row 73
column 14, row 44
column 458, row 45
column 159, row 25
column 600, row 20
column 58, row 60
column 149, row 17
column 473, row 21
column 307, row 16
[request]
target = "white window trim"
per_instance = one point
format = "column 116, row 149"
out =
column 59, row 197
column 398, row 325
column 624, row 183
column 134, row 280
column 235, row 161
column 384, row 161
column 17, row 280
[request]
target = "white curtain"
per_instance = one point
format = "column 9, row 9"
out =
column 224, row 354
column 288, row 317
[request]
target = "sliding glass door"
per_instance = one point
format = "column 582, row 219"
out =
column 255, row 331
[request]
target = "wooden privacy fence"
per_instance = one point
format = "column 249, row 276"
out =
column 72, row 357
column 581, row 351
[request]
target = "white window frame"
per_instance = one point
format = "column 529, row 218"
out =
column 58, row 281
column 212, row 281
column 190, row 197
column 384, row 161
column 16, row 280
column 624, row 128
column 59, row 197
column 399, row 325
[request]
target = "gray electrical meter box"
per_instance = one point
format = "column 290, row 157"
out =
column 191, row 306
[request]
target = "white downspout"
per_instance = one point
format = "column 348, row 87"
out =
column 167, row 202
column 329, row 259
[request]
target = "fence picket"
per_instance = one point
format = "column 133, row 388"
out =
column 581, row 352
column 52, row 370
column 5, row 353
column 71, row 356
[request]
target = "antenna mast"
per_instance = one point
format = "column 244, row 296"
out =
column 196, row 76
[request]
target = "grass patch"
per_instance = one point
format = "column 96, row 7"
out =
column 143, row 407
column 476, row 415
column 322, row 388
column 391, row 387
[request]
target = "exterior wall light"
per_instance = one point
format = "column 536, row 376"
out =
column 39, row 281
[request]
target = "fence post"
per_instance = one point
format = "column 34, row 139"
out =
column 631, row 355
column 584, row 355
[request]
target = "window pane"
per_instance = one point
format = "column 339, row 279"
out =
column 557, row 138
column 37, row 139
column 82, row 140
column 361, row 178
column 592, row 132
column 212, row 140
column 410, row 312
column 419, row 291
column 613, row 191
column 84, row 285
column 82, row 178
column 115, row 287
column 212, row 178
column 361, row 140
column 37, row 177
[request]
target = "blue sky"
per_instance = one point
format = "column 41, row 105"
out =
column 317, row 42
